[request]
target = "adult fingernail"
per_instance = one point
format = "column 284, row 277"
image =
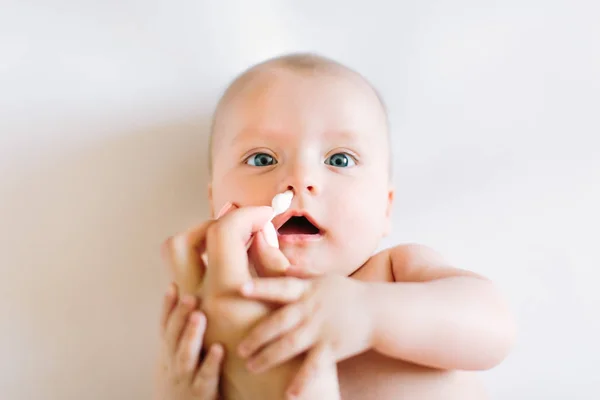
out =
column 204, row 258
column 188, row 300
column 180, row 246
column 270, row 235
column 247, row 287
column 224, row 209
column 195, row 318
column 216, row 349
column 171, row 290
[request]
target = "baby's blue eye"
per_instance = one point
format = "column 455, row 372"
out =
column 340, row 160
column 261, row 160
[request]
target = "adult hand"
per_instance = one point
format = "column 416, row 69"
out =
column 184, row 374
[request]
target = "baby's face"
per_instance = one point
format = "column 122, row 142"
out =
column 323, row 137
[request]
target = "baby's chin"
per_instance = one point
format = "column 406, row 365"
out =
column 310, row 261
column 302, row 257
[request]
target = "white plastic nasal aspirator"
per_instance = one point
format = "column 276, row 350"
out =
column 280, row 203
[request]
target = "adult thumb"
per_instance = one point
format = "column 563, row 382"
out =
column 226, row 246
column 268, row 261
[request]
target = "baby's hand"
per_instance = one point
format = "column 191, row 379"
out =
column 329, row 315
column 184, row 375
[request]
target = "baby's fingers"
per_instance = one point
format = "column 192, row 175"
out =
column 280, row 323
column 283, row 349
column 279, row 290
column 206, row 380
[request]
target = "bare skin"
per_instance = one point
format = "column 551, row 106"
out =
column 377, row 372
column 231, row 316
column 375, row 375
column 369, row 374
column 399, row 323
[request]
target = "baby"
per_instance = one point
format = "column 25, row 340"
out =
column 322, row 309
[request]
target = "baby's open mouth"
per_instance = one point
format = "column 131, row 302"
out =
column 298, row 226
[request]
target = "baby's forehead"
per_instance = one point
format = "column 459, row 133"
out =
column 318, row 116
column 260, row 103
column 253, row 136
column 269, row 79
column 291, row 94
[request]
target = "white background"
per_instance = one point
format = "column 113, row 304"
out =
column 104, row 107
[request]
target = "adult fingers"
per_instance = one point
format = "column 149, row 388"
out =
column 190, row 346
column 206, row 380
column 318, row 358
column 269, row 261
column 169, row 302
column 183, row 255
column 176, row 323
column 226, row 245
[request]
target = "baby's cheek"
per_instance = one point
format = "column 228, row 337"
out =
column 241, row 199
column 356, row 241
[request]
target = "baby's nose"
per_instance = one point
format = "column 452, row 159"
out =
column 297, row 188
column 302, row 178
column 302, row 188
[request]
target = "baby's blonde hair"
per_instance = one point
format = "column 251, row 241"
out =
column 306, row 63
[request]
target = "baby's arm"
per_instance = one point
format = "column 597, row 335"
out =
column 437, row 315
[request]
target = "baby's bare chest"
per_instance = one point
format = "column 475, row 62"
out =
column 373, row 376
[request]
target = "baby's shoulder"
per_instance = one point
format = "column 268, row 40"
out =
column 414, row 262
column 406, row 262
column 412, row 256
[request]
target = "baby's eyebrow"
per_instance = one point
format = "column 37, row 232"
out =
column 345, row 135
column 254, row 133
column 337, row 136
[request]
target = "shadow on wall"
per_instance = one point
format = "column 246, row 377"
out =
column 81, row 247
